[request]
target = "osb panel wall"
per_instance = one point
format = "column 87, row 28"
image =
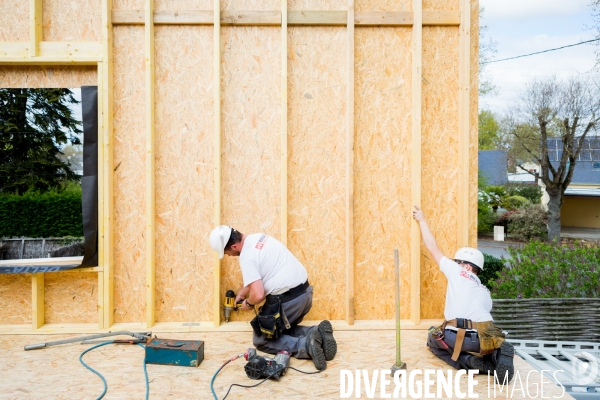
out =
column 181, row 5
column 184, row 172
column 251, row 137
column 439, row 158
column 15, row 299
column 14, row 21
column 317, row 162
column 252, row 5
column 73, row 21
column 382, row 200
column 71, row 297
column 441, row 5
column 382, row 5
column 129, row 174
column 474, row 121
column 129, row 4
column 317, row 5
column 47, row 77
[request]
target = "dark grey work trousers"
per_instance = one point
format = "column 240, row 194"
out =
column 292, row 340
column 471, row 343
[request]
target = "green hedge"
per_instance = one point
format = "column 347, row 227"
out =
column 51, row 214
column 491, row 267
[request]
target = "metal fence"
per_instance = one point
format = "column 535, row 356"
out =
column 20, row 248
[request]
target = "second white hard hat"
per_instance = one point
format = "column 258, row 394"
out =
column 471, row 255
column 219, row 238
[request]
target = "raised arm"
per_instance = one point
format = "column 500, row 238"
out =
column 428, row 238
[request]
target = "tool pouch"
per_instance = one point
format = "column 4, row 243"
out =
column 268, row 321
column 490, row 337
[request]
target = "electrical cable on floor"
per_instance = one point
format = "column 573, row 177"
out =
column 100, row 375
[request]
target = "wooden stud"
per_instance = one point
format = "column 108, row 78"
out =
column 35, row 26
column 105, row 167
column 284, row 124
column 383, row 18
column 217, row 156
column 464, row 87
column 350, row 165
column 415, row 233
column 294, row 17
column 51, row 53
column 150, row 161
column 101, row 300
column 37, row 300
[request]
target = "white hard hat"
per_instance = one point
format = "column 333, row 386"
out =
column 471, row 255
column 219, row 238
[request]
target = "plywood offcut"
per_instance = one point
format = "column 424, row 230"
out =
column 129, row 167
column 382, row 170
column 15, row 299
column 439, row 158
column 317, row 162
column 71, row 298
column 72, row 21
column 14, row 21
column 183, row 178
column 251, row 107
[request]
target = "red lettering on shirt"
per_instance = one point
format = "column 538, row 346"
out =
column 261, row 242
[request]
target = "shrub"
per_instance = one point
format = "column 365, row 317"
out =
column 550, row 270
column 485, row 216
column 491, row 267
column 531, row 192
column 51, row 214
column 514, row 202
column 529, row 222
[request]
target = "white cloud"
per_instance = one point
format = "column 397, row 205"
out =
column 531, row 8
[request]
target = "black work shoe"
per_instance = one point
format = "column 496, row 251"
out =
column 483, row 364
column 329, row 343
column 314, row 347
column 503, row 358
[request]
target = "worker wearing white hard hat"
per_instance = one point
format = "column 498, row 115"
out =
column 272, row 274
column 468, row 338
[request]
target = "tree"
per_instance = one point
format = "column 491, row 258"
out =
column 487, row 49
column 488, row 131
column 568, row 108
column 34, row 123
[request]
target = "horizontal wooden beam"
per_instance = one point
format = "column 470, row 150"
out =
column 64, row 53
column 295, row 17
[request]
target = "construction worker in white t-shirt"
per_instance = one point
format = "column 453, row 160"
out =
column 272, row 274
column 468, row 338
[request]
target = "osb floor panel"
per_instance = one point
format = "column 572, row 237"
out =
column 55, row 372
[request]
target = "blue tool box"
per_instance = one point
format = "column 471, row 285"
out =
column 186, row 353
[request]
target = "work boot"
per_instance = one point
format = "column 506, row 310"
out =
column 503, row 358
column 314, row 348
column 484, row 364
column 329, row 343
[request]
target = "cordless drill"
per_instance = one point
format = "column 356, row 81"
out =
column 229, row 304
column 259, row 367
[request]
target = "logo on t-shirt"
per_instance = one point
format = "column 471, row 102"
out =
column 261, row 242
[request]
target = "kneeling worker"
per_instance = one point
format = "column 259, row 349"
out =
column 272, row 273
column 469, row 331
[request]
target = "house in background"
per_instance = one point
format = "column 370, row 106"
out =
column 581, row 203
column 493, row 165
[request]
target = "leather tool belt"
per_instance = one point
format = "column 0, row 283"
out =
column 490, row 336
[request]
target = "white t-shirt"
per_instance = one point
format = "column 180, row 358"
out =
column 466, row 297
column 264, row 257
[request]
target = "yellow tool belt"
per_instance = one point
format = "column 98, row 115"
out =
column 490, row 336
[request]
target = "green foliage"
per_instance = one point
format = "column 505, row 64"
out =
column 49, row 214
column 488, row 131
column 497, row 194
column 526, row 223
column 533, row 193
column 491, row 267
column 514, row 202
column 485, row 216
column 34, row 123
column 550, row 270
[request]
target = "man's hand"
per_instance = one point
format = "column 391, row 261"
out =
column 244, row 306
column 418, row 214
